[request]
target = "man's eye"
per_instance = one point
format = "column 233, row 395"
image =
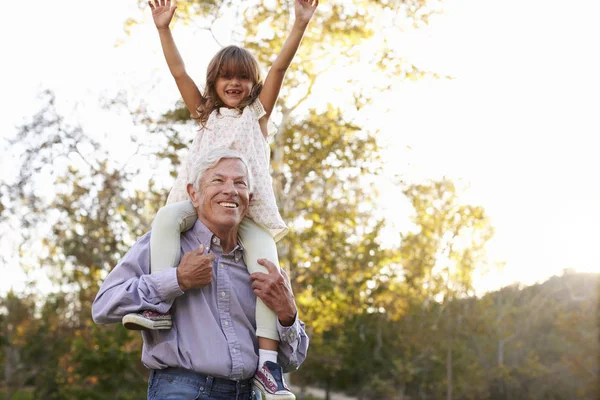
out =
column 217, row 180
column 241, row 183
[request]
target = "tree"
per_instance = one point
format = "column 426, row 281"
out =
column 88, row 223
column 16, row 323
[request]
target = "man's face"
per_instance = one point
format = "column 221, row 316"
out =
column 223, row 199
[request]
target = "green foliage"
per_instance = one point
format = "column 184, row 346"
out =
column 94, row 219
column 20, row 395
column 97, row 356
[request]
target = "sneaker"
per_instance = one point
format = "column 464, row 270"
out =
column 269, row 382
column 147, row 320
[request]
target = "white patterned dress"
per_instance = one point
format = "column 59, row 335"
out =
column 240, row 131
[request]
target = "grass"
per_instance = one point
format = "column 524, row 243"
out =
column 20, row 395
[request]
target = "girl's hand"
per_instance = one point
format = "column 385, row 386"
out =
column 162, row 12
column 305, row 9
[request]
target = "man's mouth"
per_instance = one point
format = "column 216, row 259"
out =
column 228, row 204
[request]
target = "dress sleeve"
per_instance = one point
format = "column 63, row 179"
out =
column 257, row 109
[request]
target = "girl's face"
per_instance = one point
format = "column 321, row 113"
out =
column 233, row 89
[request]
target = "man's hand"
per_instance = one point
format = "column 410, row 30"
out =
column 275, row 291
column 195, row 269
column 162, row 12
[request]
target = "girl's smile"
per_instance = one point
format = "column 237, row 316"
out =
column 233, row 90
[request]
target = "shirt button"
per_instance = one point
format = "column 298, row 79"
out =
column 222, row 294
column 226, row 323
column 214, row 240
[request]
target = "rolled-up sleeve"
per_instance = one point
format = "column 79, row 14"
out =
column 293, row 345
column 129, row 288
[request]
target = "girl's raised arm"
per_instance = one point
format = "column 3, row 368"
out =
column 162, row 13
column 304, row 10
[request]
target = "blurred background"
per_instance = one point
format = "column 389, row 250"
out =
column 436, row 163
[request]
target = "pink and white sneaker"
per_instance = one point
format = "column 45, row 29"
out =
column 269, row 382
column 147, row 320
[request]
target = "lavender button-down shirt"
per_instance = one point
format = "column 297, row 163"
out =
column 214, row 328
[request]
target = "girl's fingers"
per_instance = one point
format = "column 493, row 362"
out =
column 171, row 5
column 156, row 3
column 151, row 5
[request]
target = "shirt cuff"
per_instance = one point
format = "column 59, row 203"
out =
column 167, row 284
column 288, row 334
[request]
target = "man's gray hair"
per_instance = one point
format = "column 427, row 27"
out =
column 208, row 160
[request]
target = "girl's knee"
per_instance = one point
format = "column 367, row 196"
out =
column 174, row 217
column 165, row 219
column 253, row 234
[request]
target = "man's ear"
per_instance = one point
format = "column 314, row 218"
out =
column 193, row 195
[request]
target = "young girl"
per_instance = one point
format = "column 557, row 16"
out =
column 232, row 112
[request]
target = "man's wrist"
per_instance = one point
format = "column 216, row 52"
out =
column 287, row 319
column 182, row 285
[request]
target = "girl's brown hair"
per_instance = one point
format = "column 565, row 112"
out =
column 234, row 61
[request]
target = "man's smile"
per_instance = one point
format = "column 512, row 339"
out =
column 227, row 204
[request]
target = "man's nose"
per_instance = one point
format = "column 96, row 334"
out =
column 229, row 187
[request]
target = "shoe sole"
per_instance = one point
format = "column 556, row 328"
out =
column 268, row 396
column 138, row 323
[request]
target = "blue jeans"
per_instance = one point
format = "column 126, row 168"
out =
column 183, row 384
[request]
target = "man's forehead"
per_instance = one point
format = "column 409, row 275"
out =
column 229, row 167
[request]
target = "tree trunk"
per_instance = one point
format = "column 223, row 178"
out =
column 9, row 364
column 449, row 356
column 500, row 352
column 449, row 371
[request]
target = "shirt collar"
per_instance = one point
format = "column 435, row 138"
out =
column 229, row 112
column 211, row 241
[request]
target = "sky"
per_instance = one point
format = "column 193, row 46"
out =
column 516, row 127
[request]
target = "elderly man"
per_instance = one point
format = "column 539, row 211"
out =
column 211, row 351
